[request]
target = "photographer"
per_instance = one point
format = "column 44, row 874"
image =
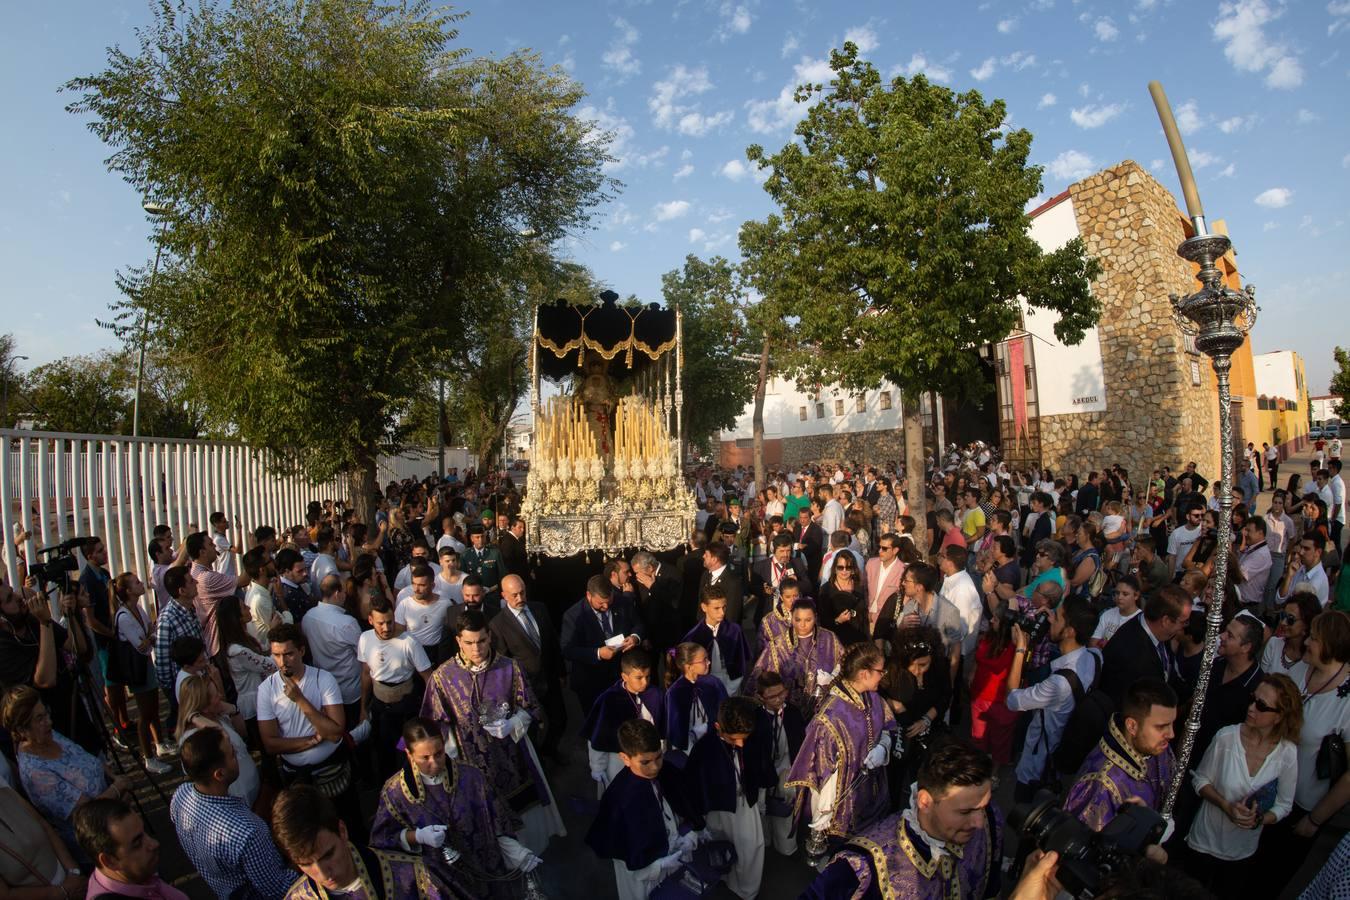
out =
column 1072, row 674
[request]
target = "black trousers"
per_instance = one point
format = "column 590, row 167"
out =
column 386, row 727
column 554, row 704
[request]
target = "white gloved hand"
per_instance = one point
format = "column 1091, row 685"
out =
column 519, row 725
column 669, row 865
column 704, row 836
column 824, row 678
column 497, row 729
column 876, row 757
column 531, row 864
column 600, row 778
column 430, row 836
column 699, row 731
column 687, row 842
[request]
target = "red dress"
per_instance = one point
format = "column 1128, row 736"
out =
column 991, row 722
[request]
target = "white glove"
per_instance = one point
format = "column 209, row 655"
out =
column 824, row 678
column 516, row 855
column 430, row 836
column 530, row 864
column 876, row 757
column 704, row 836
column 669, row 865
column 498, row 729
column 600, row 778
column 699, row 731
column 519, row 725
column 687, row 842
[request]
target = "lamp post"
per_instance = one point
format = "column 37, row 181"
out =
column 4, row 409
column 158, row 211
column 1218, row 318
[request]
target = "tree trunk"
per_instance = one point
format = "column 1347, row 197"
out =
column 761, row 385
column 915, row 466
column 363, row 484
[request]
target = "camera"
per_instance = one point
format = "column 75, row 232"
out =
column 56, row 569
column 1086, row 857
column 1034, row 625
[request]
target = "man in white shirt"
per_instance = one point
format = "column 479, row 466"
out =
column 960, row 590
column 421, row 556
column 423, row 613
column 447, row 538
column 1308, row 570
column 1254, row 561
column 332, row 635
column 388, row 690
column 832, row 515
column 1279, row 533
column 325, row 561
column 1336, row 510
column 1179, row 544
column 225, row 562
column 1128, row 595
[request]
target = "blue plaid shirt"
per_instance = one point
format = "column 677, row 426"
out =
column 229, row 846
column 174, row 622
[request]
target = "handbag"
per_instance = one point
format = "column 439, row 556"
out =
column 1331, row 762
column 127, row 665
column 699, row 877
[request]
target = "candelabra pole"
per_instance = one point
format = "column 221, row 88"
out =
column 1218, row 317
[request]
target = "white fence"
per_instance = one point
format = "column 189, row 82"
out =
column 59, row 486
column 419, row 462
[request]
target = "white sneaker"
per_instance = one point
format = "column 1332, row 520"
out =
column 361, row 732
column 157, row 767
column 166, row 749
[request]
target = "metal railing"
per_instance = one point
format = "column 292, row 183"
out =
column 57, row 486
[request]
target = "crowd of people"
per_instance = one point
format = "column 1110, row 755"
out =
column 812, row 675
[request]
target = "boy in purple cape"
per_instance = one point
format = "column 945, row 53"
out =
column 724, row 778
column 308, row 830
column 946, row 844
column 1132, row 762
column 440, row 809
column 728, row 653
column 631, row 697
column 693, row 699
column 807, row 657
column 485, row 707
column 841, row 768
column 779, row 732
column 638, row 825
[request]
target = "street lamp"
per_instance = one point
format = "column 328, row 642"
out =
column 1218, row 318
column 4, row 417
column 161, row 212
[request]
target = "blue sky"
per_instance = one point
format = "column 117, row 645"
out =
column 687, row 85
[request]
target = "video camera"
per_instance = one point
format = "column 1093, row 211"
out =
column 57, row 568
column 1086, row 857
column 1033, row 624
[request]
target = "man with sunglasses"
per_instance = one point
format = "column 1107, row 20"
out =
column 1307, row 570
column 1187, row 532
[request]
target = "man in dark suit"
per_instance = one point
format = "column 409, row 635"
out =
column 511, row 545
column 691, row 579
column 524, row 631
column 870, row 490
column 658, row 592
column 587, row 632
column 1043, row 528
column 1140, row 648
column 766, row 574
column 810, row 537
column 1089, row 495
column 717, row 570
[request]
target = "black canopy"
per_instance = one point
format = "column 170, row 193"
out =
column 628, row 338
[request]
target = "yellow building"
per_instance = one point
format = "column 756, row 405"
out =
column 1281, row 401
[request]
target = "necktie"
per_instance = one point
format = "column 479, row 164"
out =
column 530, row 628
column 777, row 574
column 605, row 625
column 1166, row 659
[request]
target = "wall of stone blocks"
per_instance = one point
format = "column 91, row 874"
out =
column 856, row 448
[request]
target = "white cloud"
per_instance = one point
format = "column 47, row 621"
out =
column 1270, row 226
column 734, row 170
column 1047, row 100
column 621, row 140
column 864, row 37
column 696, row 235
column 1339, row 10
column 686, row 118
column 684, row 171
column 783, row 111
column 735, row 20
column 1188, row 117
column 720, row 216
column 670, row 210
column 1106, row 30
column 1017, row 61
column 1228, row 171
column 1201, row 159
column 621, row 216
column 1237, row 123
column 985, row 71
column 1307, row 117
column 616, row 246
column 1155, row 165
column 1094, row 116
column 919, row 63
column 1006, row 26
column 1241, row 28
column 618, row 56
column 1072, row 165
column 790, row 45
column 1274, row 198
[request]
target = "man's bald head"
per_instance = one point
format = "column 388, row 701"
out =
column 513, row 591
column 330, row 586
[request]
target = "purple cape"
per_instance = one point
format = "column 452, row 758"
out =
column 458, row 698
column 464, row 806
column 614, row 707
column 711, row 775
column 383, row 876
column 680, row 703
column 1114, row 772
column 796, row 660
column 837, row 740
column 731, row 645
column 629, row 825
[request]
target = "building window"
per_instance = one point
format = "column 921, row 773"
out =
column 885, row 398
column 838, row 407
column 1195, row 373
column 820, row 410
column 801, row 413
column 862, row 403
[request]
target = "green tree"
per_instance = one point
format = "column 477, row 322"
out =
column 11, row 380
column 340, row 181
column 81, row 394
column 902, row 242
column 1340, row 383
column 718, row 379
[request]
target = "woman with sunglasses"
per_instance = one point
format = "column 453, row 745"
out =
column 842, row 600
column 1246, row 781
column 918, row 694
column 1286, row 652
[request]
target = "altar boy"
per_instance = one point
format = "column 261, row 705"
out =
column 728, row 652
column 631, row 697
column 639, row 822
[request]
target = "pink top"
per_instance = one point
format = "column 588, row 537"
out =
column 212, row 587
column 156, row 890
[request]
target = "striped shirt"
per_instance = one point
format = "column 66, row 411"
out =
column 174, row 622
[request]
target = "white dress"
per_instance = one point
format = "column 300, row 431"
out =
column 1224, row 768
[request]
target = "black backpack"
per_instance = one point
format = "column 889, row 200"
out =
column 1092, row 710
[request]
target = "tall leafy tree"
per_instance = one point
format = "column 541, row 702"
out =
column 1340, row 383
column 718, row 378
column 341, row 182
column 81, row 394
column 902, row 242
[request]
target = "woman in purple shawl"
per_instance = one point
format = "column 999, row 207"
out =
column 435, row 805
column 806, row 657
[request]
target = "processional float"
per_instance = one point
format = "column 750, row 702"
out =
column 605, row 470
